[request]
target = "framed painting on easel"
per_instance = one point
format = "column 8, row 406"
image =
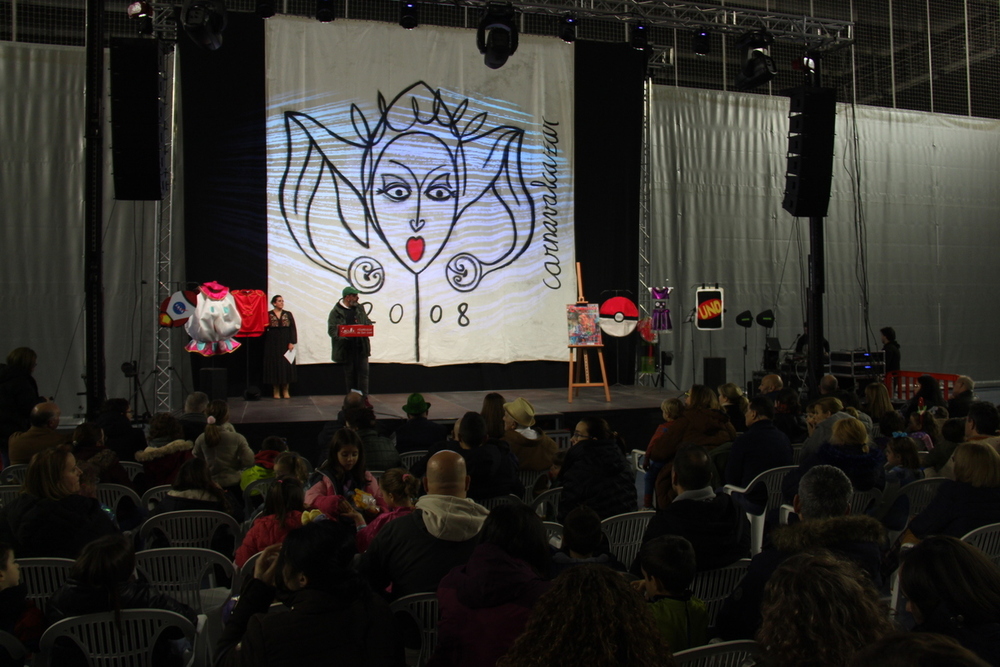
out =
column 583, row 320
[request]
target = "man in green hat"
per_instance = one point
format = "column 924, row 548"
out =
column 418, row 432
column 352, row 352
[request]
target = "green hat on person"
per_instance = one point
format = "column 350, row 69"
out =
column 349, row 290
column 416, row 405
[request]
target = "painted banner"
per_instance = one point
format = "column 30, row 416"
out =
column 440, row 189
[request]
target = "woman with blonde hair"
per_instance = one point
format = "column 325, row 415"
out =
column 818, row 611
column 879, row 403
column 848, row 450
column 734, row 403
column 226, row 451
column 971, row 501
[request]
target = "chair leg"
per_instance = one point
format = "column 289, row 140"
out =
column 756, row 533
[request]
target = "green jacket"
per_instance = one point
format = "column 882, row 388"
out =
column 342, row 348
column 683, row 623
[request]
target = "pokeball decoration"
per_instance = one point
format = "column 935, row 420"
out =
column 618, row 316
column 710, row 306
column 177, row 308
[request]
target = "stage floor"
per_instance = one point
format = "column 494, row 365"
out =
column 549, row 403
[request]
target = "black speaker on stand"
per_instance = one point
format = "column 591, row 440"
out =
column 811, row 123
column 714, row 371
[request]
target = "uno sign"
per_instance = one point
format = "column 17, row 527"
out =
column 710, row 306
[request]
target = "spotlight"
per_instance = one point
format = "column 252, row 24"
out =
column 639, row 37
column 701, row 42
column 567, row 28
column 745, row 319
column 766, row 319
column 324, row 11
column 497, row 34
column 129, row 369
column 759, row 67
column 409, row 14
column 265, row 9
column 142, row 13
column 204, row 21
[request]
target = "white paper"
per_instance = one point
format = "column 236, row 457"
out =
column 290, row 355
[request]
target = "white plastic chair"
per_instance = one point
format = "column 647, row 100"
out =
column 921, row 492
column 190, row 528
column 14, row 474
column 490, row 503
column 546, row 504
column 625, row 532
column 987, row 540
column 8, row 492
column 553, row 533
column 43, row 577
column 861, row 501
column 105, row 645
column 133, row 469
column 529, row 478
column 561, row 437
column 185, row 573
column 156, row 493
column 714, row 586
column 13, row 646
column 423, row 609
column 723, row 654
column 112, row 494
column 409, row 458
column 635, row 457
column 243, row 573
column 771, row 479
column 256, row 492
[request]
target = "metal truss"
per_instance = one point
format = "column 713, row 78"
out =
column 163, row 376
column 645, row 299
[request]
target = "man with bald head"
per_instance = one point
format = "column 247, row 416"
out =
column 44, row 421
column 770, row 385
column 414, row 552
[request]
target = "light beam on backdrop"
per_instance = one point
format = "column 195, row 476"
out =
column 497, row 34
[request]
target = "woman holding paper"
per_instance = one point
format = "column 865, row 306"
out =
column 279, row 348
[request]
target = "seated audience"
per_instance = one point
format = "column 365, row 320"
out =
column 50, row 518
column 115, row 419
column 18, row 395
column 672, row 409
column 916, row 649
column 351, row 399
column 952, row 588
column 902, row 463
column 848, row 450
column 194, row 489
column 924, row 429
column 400, row 490
column 668, row 568
column 534, row 450
column 928, row 396
column 770, row 386
column 788, row 417
column 485, row 603
column 761, row 448
column 595, row 472
column 226, row 451
column 332, row 616
column 414, row 552
column 88, row 445
column 418, row 432
column 715, row 525
column 877, row 404
column 823, row 508
column 493, row 412
column 380, row 453
column 271, row 448
column 195, row 416
column 589, row 616
column 341, row 476
column 821, row 415
column 962, row 395
column 44, row 420
column 970, row 501
column 166, row 451
column 282, row 513
column 818, row 610
column 18, row 615
column 583, row 541
column 938, row 461
column 734, row 404
column 290, row 464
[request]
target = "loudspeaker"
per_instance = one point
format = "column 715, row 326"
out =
column 213, row 381
column 811, row 124
column 714, row 371
column 138, row 119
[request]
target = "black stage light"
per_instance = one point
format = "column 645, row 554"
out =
column 567, row 28
column 745, row 319
column 701, row 42
column 129, row 369
column 766, row 319
column 204, row 21
column 758, row 67
column 265, row 9
column 409, row 14
column 324, row 11
column 142, row 13
column 497, row 34
column 639, row 36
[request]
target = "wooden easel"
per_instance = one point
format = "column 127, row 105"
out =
column 579, row 360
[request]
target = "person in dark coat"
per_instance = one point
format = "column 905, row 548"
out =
column 88, row 445
column 715, row 525
column 119, row 435
column 332, row 618
column 761, row 448
column 596, row 473
column 788, row 417
column 486, row 602
column 418, row 432
column 954, row 589
column 928, row 396
column 18, row 395
column 969, row 502
column 847, row 450
column 891, row 349
column 380, row 453
column 195, row 416
column 823, row 506
column 962, row 395
column 583, row 541
column 50, row 518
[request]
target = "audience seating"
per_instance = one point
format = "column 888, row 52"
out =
column 723, row 654
column 490, row 503
column 133, row 469
column 987, row 540
column 862, row 501
column 376, row 474
column 546, row 504
column 112, row 494
column 921, row 493
column 624, row 532
column 108, row 644
column 260, row 487
column 529, row 478
column 13, row 646
column 13, row 474
column 423, row 609
column 409, row 458
column 553, row 532
column 637, row 458
column 156, row 493
column 44, row 576
column 8, row 492
column 771, row 479
column 714, row 586
column 185, row 574
column 189, row 528
column 243, row 574
column 797, row 453
column 561, row 437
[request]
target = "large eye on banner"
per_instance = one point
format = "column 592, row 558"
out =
column 710, row 302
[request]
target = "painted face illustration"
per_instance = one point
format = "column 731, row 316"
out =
column 414, row 198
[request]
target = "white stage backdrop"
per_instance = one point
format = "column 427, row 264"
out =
column 442, row 190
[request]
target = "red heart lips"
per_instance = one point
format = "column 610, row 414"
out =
column 415, row 248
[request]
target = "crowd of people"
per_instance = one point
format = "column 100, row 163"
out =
column 336, row 544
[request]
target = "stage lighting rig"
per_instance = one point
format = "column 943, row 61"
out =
column 567, row 28
column 758, row 67
column 409, row 14
column 204, row 21
column 639, row 36
column 497, row 34
column 324, row 11
column 766, row 318
column 142, row 13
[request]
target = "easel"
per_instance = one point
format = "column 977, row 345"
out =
column 578, row 354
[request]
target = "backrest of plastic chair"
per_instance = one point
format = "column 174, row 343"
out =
column 156, row 493
column 625, row 532
column 797, row 453
column 108, row 645
column 921, row 492
column 13, row 646
column 256, row 491
column 548, row 503
column 723, row 654
column 43, row 577
column 14, row 474
column 529, row 478
column 245, row 572
column 423, row 608
column 861, row 500
column 189, row 528
column 772, row 480
column 986, row 539
column 561, row 437
column 714, row 586
column 112, row 494
column 409, row 458
column 133, row 469
column 181, row 573
column 490, row 503
column 635, row 458
column 8, row 492
column 553, row 531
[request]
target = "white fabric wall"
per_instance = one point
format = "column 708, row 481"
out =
column 929, row 195
column 42, row 231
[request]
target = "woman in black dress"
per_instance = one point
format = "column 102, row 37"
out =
column 281, row 337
